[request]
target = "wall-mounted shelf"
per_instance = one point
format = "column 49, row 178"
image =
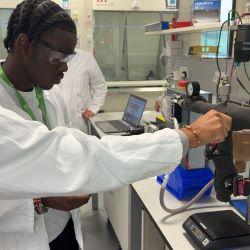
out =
column 190, row 29
column 166, row 11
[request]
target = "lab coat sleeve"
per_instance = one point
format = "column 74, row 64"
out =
column 36, row 162
column 16, row 216
column 98, row 88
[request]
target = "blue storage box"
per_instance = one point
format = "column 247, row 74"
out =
column 184, row 184
column 240, row 206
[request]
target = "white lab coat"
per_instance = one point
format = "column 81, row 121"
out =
column 83, row 87
column 36, row 162
column 20, row 227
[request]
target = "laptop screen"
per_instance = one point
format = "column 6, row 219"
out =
column 134, row 110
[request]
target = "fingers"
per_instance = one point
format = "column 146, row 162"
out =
column 224, row 125
column 224, row 120
column 213, row 127
column 157, row 106
column 87, row 114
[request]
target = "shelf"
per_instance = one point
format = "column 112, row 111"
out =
column 146, row 83
column 167, row 11
column 190, row 29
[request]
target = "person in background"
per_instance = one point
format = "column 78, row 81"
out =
column 84, row 89
column 41, row 157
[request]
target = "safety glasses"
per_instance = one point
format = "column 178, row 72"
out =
column 56, row 56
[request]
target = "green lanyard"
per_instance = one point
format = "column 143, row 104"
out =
column 24, row 104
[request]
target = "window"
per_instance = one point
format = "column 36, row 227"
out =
column 122, row 50
column 211, row 39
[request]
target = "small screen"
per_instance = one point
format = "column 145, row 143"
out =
column 197, row 232
column 241, row 35
column 134, row 110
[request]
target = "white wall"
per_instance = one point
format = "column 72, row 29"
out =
column 12, row 3
column 9, row 3
column 81, row 12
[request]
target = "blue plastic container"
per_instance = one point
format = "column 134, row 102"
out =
column 184, row 184
column 240, row 205
column 165, row 25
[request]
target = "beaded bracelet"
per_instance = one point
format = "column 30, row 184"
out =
column 198, row 141
column 39, row 207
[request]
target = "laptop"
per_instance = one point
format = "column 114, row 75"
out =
column 131, row 117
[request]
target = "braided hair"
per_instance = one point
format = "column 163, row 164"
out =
column 35, row 17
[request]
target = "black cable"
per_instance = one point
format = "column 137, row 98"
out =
column 245, row 68
column 242, row 85
column 217, row 58
column 218, row 46
column 237, row 13
column 234, row 102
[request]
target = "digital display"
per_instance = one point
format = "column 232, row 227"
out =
column 134, row 110
column 241, row 35
column 197, row 232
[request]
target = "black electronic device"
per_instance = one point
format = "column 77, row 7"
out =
column 135, row 130
column 242, row 44
column 218, row 230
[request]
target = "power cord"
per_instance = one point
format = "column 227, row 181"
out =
column 240, row 83
column 187, row 205
column 218, row 46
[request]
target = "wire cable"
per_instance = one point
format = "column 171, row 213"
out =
column 245, row 68
column 240, row 83
column 218, row 46
column 217, row 58
column 231, row 73
column 187, row 205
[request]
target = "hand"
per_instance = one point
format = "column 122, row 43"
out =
column 157, row 106
column 87, row 114
column 213, row 127
column 65, row 203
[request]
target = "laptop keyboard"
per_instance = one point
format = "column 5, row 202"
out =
column 119, row 125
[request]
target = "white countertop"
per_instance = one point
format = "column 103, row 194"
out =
column 171, row 225
column 146, row 117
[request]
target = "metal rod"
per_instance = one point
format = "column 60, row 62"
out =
column 248, row 206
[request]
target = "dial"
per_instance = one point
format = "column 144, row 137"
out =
column 193, row 89
column 190, row 89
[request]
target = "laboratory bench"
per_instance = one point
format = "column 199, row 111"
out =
column 136, row 215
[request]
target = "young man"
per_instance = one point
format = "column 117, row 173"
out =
column 40, row 40
column 36, row 162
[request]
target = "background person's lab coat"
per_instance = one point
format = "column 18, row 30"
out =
column 83, row 87
column 20, row 226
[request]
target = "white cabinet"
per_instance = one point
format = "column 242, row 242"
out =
column 116, row 204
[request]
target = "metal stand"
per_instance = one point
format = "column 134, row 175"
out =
column 248, row 207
